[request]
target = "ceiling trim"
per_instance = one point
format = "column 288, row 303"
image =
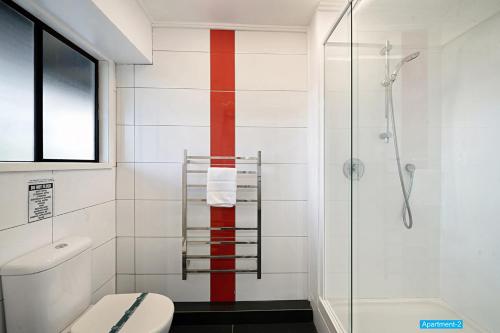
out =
column 143, row 6
column 228, row 26
column 332, row 5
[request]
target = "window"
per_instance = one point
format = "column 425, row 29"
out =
column 17, row 86
column 68, row 102
column 48, row 93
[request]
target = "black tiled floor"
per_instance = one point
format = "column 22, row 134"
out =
column 293, row 316
column 242, row 306
column 242, row 317
column 202, row 329
column 275, row 328
column 262, row 312
column 247, row 328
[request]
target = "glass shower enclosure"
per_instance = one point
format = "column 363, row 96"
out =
column 411, row 188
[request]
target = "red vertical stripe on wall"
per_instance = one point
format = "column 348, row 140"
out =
column 222, row 143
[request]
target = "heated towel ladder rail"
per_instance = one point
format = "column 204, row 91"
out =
column 196, row 166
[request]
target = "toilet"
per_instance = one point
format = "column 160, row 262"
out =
column 49, row 291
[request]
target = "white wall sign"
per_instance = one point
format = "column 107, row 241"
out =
column 40, row 199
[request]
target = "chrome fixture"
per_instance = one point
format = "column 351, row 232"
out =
column 390, row 79
column 386, row 49
column 198, row 165
column 387, row 83
column 385, row 52
column 354, row 169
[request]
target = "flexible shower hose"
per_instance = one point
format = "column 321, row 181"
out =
column 406, row 195
column 403, row 212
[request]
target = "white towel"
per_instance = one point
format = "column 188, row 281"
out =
column 221, row 187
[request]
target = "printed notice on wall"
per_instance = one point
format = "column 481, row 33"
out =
column 40, row 199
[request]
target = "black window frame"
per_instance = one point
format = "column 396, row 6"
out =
column 38, row 29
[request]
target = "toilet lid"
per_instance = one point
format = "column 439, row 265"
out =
column 153, row 315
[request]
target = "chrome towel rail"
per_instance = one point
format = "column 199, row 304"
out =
column 223, row 242
column 193, row 256
column 222, row 271
column 248, row 158
column 240, row 172
column 198, row 162
column 204, row 186
column 238, row 200
column 219, row 228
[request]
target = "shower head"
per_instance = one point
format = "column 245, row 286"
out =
column 411, row 57
column 400, row 64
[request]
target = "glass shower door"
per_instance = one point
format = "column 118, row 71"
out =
column 337, row 191
column 395, row 246
column 425, row 121
column 411, row 95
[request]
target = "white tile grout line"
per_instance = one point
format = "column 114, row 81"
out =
column 208, row 90
column 68, row 212
column 103, row 243
column 206, row 274
column 86, row 207
column 102, row 285
column 53, row 204
column 208, row 126
column 205, row 236
column 116, row 182
column 116, row 242
column 135, row 259
column 236, row 53
column 242, row 164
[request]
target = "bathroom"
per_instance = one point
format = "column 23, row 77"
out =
column 355, row 140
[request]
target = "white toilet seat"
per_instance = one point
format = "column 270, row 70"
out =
column 154, row 315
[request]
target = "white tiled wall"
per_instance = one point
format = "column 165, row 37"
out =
column 447, row 107
column 281, row 71
column 181, row 107
column 382, row 247
column 191, row 71
column 470, row 266
column 261, row 42
column 169, row 108
column 271, row 109
column 272, row 286
column 154, row 143
column 84, row 205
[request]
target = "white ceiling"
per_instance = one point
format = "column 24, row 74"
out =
column 239, row 12
column 447, row 18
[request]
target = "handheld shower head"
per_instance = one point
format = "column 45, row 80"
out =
column 410, row 57
column 400, row 64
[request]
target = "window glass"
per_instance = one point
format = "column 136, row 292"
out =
column 16, row 86
column 68, row 102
